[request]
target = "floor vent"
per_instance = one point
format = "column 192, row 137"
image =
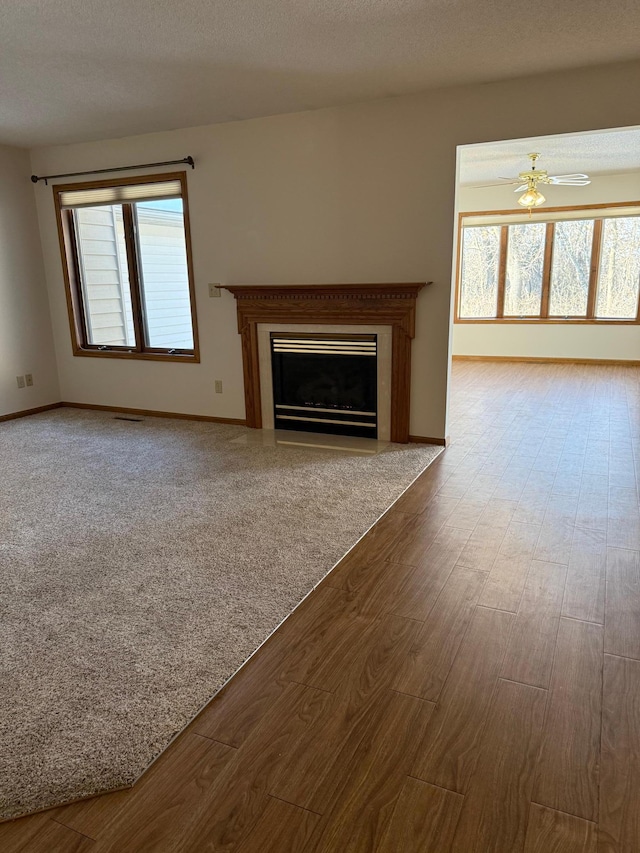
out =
column 124, row 418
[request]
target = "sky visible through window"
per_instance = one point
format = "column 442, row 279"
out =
column 171, row 204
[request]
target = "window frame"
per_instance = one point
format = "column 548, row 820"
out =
column 543, row 317
column 73, row 284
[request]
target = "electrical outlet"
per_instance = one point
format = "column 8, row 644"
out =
column 218, row 386
column 20, row 381
column 214, row 290
column 28, row 378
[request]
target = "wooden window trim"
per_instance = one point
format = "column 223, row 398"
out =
column 133, row 251
column 596, row 249
column 73, row 288
column 502, row 269
column 534, row 319
column 546, row 270
column 543, row 317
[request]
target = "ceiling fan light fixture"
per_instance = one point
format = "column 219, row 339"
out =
column 531, row 198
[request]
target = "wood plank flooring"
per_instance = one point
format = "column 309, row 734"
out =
column 466, row 679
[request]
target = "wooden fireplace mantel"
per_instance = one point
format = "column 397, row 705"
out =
column 349, row 304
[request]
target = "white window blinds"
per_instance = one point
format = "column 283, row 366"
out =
column 121, row 194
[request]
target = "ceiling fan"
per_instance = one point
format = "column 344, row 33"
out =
column 529, row 180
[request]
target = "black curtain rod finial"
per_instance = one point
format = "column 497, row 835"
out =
column 188, row 160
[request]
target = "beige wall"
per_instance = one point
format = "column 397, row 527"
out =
column 617, row 343
column 550, row 341
column 26, row 344
column 363, row 193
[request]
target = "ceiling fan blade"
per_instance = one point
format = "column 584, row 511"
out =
column 579, row 175
column 504, row 182
column 577, row 180
column 521, row 188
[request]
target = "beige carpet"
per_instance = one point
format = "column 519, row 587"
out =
column 140, row 565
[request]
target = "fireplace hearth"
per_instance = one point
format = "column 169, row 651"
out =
column 325, row 383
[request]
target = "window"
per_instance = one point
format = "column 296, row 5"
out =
column 480, row 268
column 619, row 268
column 525, row 263
column 127, row 264
column 574, row 269
column 571, row 268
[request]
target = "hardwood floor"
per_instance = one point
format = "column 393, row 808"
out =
column 466, row 680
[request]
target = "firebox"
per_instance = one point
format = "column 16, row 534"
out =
column 326, row 383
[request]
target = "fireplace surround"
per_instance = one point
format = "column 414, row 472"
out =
column 381, row 305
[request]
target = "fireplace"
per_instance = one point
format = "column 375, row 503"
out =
column 325, row 383
column 367, row 307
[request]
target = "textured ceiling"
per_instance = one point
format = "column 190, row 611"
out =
column 74, row 70
column 604, row 152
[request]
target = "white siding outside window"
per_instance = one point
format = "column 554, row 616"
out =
column 105, row 279
column 164, row 275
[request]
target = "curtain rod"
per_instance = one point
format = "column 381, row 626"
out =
column 47, row 178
